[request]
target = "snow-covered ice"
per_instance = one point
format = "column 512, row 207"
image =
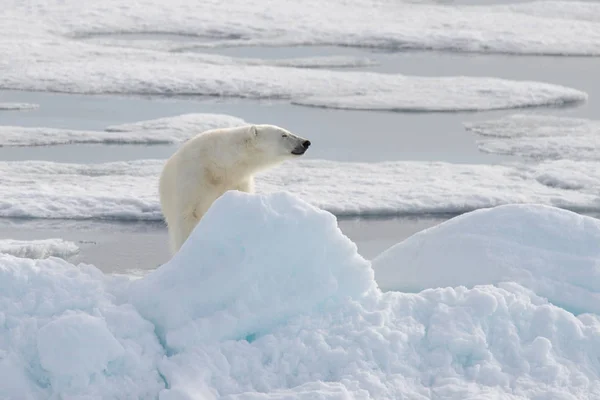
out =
column 539, row 136
column 40, row 189
column 451, row 94
column 52, row 54
column 489, row 246
column 42, row 248
column 156, row 131
column 269, row 300
column 17, row 106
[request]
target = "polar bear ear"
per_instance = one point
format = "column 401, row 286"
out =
column 253, row 130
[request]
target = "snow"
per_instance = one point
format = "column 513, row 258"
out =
column 17, row 106
column 554, row 27
column 40, row 189
column 68, row 337
column 489, row 246
column 540, row 136
column 54, row 53
column 245, row 237
column 49, row 309
column 42, row 248
column 284, row 307
column 156, row 131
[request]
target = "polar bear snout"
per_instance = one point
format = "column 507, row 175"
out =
column 301, row 148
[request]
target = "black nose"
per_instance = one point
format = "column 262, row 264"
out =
column 306, row 144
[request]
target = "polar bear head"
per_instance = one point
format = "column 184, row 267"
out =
column 273, row 143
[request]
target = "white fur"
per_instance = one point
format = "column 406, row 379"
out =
column 213, row 162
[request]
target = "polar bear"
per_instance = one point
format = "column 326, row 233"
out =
column 213, row 162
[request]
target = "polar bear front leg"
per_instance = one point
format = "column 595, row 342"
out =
column 186, row 222
column 181, row 231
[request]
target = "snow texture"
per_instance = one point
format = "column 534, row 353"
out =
column 540, row 137
column 269, row 300
column 43, row 248
column 17, row 106
column 58, row 327
column 40, row 189
column 62, row 50
column 489, row 246
column 156, row 131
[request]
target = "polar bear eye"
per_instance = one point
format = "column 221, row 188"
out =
column 283, row 135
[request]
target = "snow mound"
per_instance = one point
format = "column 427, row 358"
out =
column 540, row 136
column 236, row 234
column 63, row 336
column 39, row 189
column 39, row 248
column 553, row 253
column 156, row 131
column 17, row 106
column 269, row 300
column 69, row 337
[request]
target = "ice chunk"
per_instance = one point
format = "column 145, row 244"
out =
column 39, row 248
column 267, row 281
column 17, row 106
column 540, row 136
column 452, row 94
column 156, row 131
column 554, row 253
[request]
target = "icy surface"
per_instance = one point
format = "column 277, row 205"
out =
column 157, row 131
column 62, row 334
column 17, row 106
column 38, row 189
column 540, row 137
column 42, row 248
column 72, row 49
column 489, row 246
column 284, row 307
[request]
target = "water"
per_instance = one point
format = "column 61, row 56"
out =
column 341, row 135
column 139, row 246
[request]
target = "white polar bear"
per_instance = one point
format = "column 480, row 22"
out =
column 213, row 162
